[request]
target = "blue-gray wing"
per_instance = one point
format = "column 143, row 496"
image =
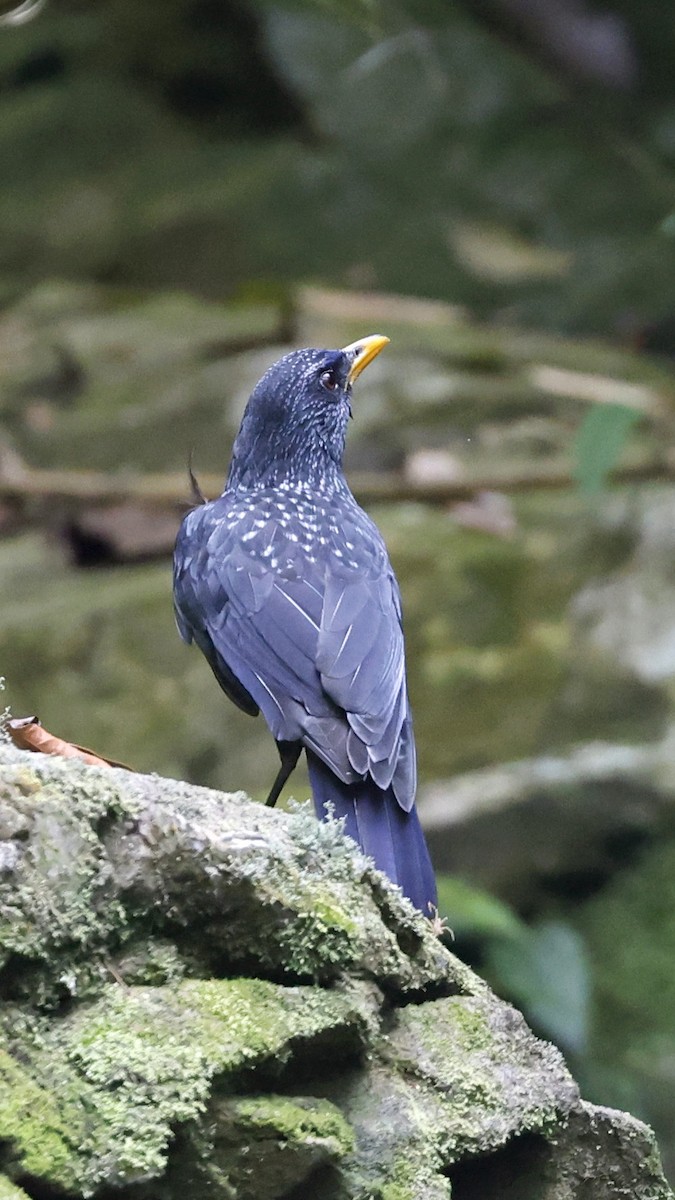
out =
column 311, row 638
column 361, row 660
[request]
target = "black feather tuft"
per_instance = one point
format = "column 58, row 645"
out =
column 196, row 492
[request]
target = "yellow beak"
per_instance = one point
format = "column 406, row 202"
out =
column 363, row 352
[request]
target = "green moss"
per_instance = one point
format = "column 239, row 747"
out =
column 296, row 1120
column 151, row 961
column 452, row 1079
column 160, row 1086
column 263, row 1019
column 411, row 1178
column 329, row 915
column 127, row 1069
column 315, row 944
column 55, row 904
column 265, row 1146
column 9, row 1190
column 32, row 1124
column 458, row 1047
column 322, row 933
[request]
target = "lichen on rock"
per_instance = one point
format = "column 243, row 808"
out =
column 9, row 1190
column 204, row 997
column 135, row 1063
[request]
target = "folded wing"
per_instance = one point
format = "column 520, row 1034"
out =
column 312, row 640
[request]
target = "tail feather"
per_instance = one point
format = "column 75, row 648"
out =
column 385, row 832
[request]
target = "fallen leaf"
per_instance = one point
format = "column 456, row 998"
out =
column 28, row 734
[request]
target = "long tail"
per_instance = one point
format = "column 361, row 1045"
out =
column 375, row 819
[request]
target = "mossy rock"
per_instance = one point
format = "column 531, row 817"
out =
column 99, row 1092
column 492, row 659
column 88, row 852
column 109, row 379
column 206, row 997
column 10, row 1191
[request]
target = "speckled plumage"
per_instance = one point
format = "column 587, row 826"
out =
column 285, row 584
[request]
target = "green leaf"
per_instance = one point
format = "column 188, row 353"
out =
column 599, row 443
column 468, row 910
column 547, row 973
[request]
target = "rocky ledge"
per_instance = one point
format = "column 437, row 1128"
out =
column 203, row 997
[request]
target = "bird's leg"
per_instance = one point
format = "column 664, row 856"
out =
column 289, row 753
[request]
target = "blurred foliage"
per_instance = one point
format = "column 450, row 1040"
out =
column 547, row 973
column 634, row 1026
column 411, row 147
column 473, row 913
column 600, row 441
column 543, row 968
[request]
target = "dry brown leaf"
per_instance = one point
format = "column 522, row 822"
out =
column 28, row 734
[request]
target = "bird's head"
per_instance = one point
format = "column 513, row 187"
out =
column 295, row 422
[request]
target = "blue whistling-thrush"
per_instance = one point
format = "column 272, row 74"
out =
column 285, row 585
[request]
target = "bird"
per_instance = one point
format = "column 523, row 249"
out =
column 285, row 585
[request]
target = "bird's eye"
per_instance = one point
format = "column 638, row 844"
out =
column 329, row 381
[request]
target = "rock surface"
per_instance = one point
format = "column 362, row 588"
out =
column 204, row 997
